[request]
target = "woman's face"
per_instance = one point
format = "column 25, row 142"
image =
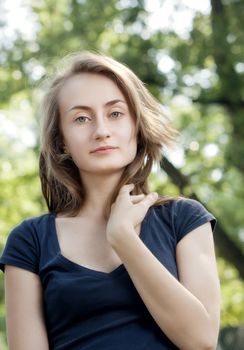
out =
column 93, row 114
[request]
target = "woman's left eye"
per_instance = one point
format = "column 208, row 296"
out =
column 116, row 114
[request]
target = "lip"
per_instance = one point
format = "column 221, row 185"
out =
column 104, row 148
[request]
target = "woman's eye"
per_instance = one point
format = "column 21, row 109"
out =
column 116, row 114
column 82, row 119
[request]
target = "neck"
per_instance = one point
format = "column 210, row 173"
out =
column 99, row 191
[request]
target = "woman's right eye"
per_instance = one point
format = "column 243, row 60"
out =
column 82, row 119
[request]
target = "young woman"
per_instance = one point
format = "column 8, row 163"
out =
column 112, row 265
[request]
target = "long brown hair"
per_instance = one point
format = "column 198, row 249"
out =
column 60, row 180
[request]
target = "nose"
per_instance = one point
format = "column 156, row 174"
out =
column 101, row 129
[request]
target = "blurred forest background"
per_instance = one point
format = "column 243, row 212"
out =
column 190, row 55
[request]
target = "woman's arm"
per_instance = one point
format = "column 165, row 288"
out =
column 187, row 311
column 198, row 273
column 24, row 311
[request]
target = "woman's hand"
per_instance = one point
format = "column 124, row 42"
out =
column 127, row 212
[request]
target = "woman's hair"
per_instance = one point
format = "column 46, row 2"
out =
column 60, row 180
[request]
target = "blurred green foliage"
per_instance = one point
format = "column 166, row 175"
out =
column 196, row 73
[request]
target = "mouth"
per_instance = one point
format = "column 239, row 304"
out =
column 104, row 149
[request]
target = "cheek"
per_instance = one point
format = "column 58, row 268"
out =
column 132, row 143
column 73, row 138
column 128, row 131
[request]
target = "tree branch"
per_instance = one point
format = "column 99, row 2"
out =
column 226, row 248
column 220, row 101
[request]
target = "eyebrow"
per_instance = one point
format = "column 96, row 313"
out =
column 109, row 103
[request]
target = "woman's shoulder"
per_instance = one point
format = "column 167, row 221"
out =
column 31, row 227
column 24, row 243
column 180, row 205
column 34, row 221
column 184, row 214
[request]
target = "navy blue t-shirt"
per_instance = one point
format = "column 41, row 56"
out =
column 86, row 309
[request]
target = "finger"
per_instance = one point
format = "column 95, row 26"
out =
column 137, row 198
column 127, row 188
column 149, row 199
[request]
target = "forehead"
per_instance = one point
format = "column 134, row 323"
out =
column 88, row 88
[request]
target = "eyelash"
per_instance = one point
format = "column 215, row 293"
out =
column 119, row 114
column 78, row 119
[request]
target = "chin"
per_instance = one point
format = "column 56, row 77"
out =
column 107, row 167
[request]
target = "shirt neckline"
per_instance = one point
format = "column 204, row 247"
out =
column 73, row 266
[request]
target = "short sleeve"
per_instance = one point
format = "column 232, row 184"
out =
column 188, row 214
column 21, row 249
